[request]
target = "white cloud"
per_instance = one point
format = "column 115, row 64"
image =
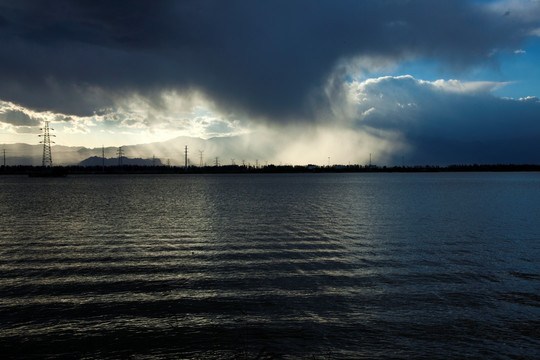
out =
column 466, row 86
column 18, row 118
column 75, row 128
column 525, row 10
column 187, row 114
column 533, row 99
column 441, row 116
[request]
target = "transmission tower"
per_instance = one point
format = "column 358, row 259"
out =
column 120, row 156
column 201, row 160
column 185, row 158
column 47, row 154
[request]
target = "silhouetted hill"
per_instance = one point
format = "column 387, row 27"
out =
column 98, row 161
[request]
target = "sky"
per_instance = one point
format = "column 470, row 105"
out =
column 407, row 81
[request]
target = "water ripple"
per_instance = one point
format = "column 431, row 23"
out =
column 272, row 267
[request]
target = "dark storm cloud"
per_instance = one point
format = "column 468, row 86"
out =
column 262, row 58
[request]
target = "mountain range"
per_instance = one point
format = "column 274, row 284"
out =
column 223, row 150
column 248, row 150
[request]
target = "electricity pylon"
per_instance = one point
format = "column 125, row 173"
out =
column 47, row 154
column 120, row 156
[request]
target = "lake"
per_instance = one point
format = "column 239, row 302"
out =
column 281, row 266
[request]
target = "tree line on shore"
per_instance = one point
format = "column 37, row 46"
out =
column 163, row 169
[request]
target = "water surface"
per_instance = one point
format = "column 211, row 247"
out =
column 293, row 266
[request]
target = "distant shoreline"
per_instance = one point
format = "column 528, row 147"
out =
column 268, row 169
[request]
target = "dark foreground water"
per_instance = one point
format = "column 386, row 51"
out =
column 329, row 266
